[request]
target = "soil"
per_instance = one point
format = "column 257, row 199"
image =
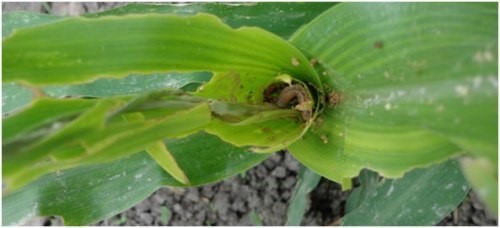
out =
column 264, row 190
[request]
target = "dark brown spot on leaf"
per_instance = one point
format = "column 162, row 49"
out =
column 378, row 45
column 334, row 98
column 314, row 62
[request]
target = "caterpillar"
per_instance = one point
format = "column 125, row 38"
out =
column 295, row 93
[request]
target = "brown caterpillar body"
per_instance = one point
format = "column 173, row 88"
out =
column 289, row 94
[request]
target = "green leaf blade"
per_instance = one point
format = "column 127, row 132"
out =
column 87, row 194
column 426, row 67
column 196, row 43
column 43, row 111
column 368, row 183
column 308, row 180
column 421, row 197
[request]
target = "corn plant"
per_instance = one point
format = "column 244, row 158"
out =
column 102, row 110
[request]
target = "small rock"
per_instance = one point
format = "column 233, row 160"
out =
column 270, row 164
column 200, row 216
column 288, row 183
column 277, row 158
column 279, row 172
column 226, row 188
column 291, row 164
column 279, row 207
column 220, row 203
column 145, row 219
column 244, row 190
column 199, row 206
column 271, row 184
column 158, row 198
column 477, row 205
column 192, row 195
column 142, row 207
column 268, row 200
column 286, row 195
column 177, row 208
column 232, row 218
column 465, row 207
column 476, row 220
column 261, row 171
column 238, row 205
column 207, row 191
column 255, row 201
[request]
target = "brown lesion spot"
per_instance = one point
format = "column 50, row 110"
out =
column 318, row 122
column 313, row 62
column 334, row 98
column 324, row 139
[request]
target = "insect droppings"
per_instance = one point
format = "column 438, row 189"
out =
column 334, row 98
column 378, row 45
column 324, row 139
